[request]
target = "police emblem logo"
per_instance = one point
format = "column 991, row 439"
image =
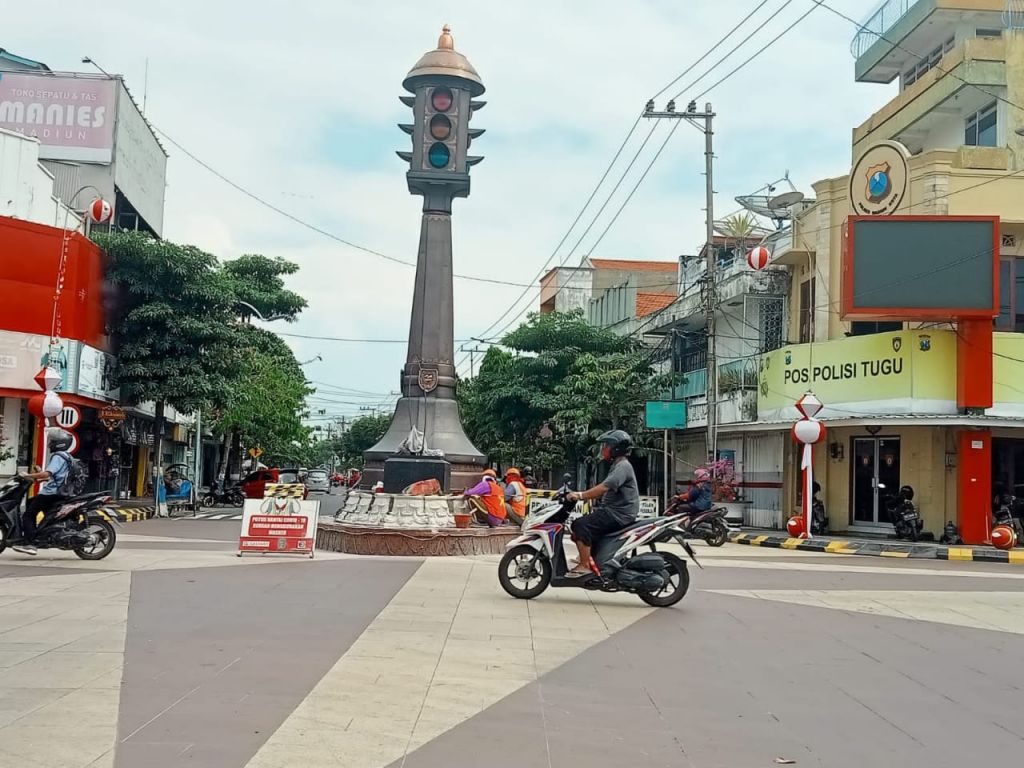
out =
column 879, row 182
column 427, row 379
column 897, row 342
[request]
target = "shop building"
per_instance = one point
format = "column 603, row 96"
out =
column 912, row 396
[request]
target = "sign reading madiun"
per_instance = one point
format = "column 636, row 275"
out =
column 72, row 117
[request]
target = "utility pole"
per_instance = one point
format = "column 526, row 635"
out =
column 702, row 121
column 472, row 359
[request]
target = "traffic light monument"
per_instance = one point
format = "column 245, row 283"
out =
column 426, row 438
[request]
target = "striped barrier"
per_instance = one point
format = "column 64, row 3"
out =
column 881, row 548
column 284, row 491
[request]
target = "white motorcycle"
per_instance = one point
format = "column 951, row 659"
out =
column 536, row 560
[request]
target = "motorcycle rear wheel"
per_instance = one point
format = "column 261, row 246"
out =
column 209, row 501
column 517, row 560
column 107, row 538
column 675, row 589
column 236, row 499
column 719, row 533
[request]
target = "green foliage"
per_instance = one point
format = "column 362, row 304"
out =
column 258, row 280
column 5, row 452
column 544, row 408
column 172, row 326
column 361, row 435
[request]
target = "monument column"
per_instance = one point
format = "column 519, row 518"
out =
column 443, row 84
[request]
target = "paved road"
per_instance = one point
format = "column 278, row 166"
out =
column 174, row 652
column 329, row 505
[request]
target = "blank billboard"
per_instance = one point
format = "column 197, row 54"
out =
column 921, row 267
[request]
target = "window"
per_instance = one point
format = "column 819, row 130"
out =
column 980, row 129
column 914, row 74
column 867, row 328
column 1011, row 295
column 806, row 310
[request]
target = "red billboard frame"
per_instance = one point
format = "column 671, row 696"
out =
column 914, row 313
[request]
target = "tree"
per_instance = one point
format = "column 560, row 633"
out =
column 559, row 383
column 740, row 226
column 171, row 326
column 258, row 281
column 362, row 434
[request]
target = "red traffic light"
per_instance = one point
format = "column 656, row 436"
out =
column 441, row 99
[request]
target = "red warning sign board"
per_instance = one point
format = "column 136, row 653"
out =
column 279, row 525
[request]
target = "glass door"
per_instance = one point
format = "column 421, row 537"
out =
column 876, row 474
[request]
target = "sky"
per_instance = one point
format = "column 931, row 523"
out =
column 297, row 102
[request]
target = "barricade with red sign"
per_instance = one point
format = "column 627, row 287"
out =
column 279, row 524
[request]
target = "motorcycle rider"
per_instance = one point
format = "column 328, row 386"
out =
column 698, row 498
column 48, row 498
column 619, row 499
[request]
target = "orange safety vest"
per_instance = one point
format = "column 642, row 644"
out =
column 494, row 499
column 519, row 501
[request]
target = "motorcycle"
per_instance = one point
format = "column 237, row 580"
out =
column 709, row 526
column 80, row 524
column 536, row 559
column 904, row 516
column 217, row 494
column 1003, row 515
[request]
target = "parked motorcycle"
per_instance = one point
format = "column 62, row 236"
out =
column 536, row 560
column 233, row 496
column 1003, row 514
column 709, row 526
column 80, row 524
column 904, row 516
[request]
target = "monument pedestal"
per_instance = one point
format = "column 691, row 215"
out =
column 402, row 471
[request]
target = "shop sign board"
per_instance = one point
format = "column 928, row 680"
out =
column 23, row 354
column 902, row 372
column 279, row 525
column 72, row 117
column 665, row 414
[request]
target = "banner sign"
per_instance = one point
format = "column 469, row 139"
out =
column 279, row 525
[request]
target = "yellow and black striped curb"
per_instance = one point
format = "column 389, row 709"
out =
column 881, row 548
column 284, row 491
column 132, row 515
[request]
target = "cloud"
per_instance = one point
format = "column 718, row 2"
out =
column 297, row 102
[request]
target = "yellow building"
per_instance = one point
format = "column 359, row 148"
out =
column 955, row 132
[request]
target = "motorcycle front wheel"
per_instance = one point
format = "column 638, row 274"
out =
column 104, row 539
column 719, row 533
column 522, row 566
column 675, row 588
column 209, row 501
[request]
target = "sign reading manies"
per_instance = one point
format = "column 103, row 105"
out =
column 904, row 372
column 72, row 117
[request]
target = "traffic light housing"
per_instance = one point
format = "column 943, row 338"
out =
column 441, row 136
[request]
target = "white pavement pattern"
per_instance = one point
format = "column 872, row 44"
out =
column 998, row 611
column 447, row 646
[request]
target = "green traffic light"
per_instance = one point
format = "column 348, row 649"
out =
column 439, row 155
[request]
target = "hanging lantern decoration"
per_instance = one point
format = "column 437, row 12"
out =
column 47, row 379
column 808, row 431
column 758, row 257
column 52, row 404
column 100, row 211
column 35, row 405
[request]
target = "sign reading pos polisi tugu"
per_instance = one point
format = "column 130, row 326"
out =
column 902, row 372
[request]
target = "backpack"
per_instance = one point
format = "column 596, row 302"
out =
column 74, row 480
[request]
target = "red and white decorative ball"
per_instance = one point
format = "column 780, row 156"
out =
column 100, row 211
column 808, row 431
column 52, row 404
column 1004, row 537
column 758, row 257
column 796, row 527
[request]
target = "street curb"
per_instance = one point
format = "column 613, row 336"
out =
column 132, row 515
column 881, row 549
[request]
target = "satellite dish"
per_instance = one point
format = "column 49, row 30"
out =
column 786, row 200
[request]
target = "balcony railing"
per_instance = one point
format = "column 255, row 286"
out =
column 878, row 23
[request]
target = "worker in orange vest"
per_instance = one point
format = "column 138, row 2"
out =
column 487, row 500
column 517, row 498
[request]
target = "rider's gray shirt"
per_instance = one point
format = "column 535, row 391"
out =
column 622, row 498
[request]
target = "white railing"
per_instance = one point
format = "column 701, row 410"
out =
column 878, row 23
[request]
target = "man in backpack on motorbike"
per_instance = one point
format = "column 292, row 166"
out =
column 48, row 499
column 619, row 499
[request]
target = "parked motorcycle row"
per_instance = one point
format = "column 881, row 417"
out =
column 81, row 524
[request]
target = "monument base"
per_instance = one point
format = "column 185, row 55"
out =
column 402, row 471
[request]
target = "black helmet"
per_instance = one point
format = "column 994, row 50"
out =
column 58, row 439
column 618, row 442
column 907, row 493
